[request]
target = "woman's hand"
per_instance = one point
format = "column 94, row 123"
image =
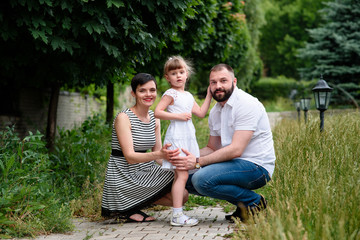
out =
column 167, row 153
column 184, row 162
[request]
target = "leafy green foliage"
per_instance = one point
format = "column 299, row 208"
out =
column 80, row 155
column 219, row 31
column 28, row 205
column 82, row 42
column 228, row 41
column 36, row 187
column 334, row 48
column 285, row 32
column 272, row 88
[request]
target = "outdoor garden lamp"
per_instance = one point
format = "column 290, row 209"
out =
column 297, row 106
column 322, row 94
column 305, row 106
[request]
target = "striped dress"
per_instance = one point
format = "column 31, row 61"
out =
column 130, row 187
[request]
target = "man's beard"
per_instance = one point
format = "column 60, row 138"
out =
column 226, row 96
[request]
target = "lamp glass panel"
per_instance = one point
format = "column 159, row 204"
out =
column 327, row 99
column 316, row 96
column 322, row 99
column 305, row 103
column 302, row 103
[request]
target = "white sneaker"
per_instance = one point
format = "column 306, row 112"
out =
column 175, row 220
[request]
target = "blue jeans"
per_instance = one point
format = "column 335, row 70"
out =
column 232, row 181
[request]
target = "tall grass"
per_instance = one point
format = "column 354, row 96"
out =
column 315, row 191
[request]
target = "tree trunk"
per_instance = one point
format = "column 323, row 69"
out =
column 109, row 102
column 51, row 122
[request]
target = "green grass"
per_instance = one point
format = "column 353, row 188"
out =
column 315, row 191
column 280, row 104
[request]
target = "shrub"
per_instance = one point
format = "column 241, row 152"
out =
column 80, row 154
column 272, row 88
column 36, row 187
column 27, row 198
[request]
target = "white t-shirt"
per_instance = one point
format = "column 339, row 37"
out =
column 244, row 112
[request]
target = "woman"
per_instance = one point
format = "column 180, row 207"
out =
column 134, row 179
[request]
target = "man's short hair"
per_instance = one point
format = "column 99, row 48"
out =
column 221, row 66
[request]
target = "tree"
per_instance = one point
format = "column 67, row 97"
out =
column 334, row 48
column 285, row 32
column 220, row 32
column 76, row 43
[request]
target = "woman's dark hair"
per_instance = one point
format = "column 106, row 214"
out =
column 141, row 79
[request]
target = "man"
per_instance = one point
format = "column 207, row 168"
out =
column 239, row 156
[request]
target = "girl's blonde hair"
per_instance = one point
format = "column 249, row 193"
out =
column 176, row 62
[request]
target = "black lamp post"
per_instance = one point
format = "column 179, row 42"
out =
column 305, row 106
column 297, row 106
column 322, row 94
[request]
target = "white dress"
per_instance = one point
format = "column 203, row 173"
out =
column 181, row 134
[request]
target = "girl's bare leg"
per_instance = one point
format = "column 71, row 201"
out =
column 178, row 187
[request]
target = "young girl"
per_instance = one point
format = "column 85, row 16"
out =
column 180, row 106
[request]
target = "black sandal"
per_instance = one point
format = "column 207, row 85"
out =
column 127, row 219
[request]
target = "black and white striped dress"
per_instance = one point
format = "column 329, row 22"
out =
column 129, row 187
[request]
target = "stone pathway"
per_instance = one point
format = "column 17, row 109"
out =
column 212, row 225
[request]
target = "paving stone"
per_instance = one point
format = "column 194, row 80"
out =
column 212, row 225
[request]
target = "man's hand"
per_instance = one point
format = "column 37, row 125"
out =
column 184, row 162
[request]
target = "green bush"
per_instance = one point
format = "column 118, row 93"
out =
column 28, row 202
column 273, row 88
column 80, row 154
column 36, row 187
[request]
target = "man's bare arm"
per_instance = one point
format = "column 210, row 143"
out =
column 214, row 144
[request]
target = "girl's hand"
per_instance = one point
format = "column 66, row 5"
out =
column 184, row 116
column 208, row 93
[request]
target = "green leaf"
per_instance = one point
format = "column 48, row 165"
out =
column 66, row 5
column 98, row 28
column 39, row 34
column 47, row 2
column 66, row 23
column 57, row 42
column 116, row 3
column 88, row 27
